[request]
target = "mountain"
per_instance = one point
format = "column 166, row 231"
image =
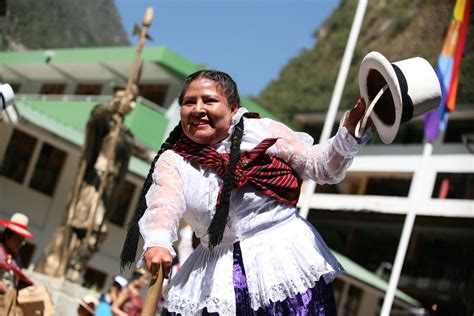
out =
column 398, row 29
column 64, row 23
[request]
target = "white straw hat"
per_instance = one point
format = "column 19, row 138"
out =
column 411, row 89
column 6, row 96
column 89, row 302
column 120, row 280
column 18, row 224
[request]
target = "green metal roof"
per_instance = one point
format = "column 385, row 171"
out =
column 360, row 273
column 254, row 107
column 161, row 55
column 67, row 118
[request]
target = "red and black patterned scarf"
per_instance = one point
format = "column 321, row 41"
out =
column 269, row 174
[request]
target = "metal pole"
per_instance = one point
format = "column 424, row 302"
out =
column 414, row 196
column 336, row 96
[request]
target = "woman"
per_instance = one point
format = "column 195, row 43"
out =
column 11, row 277
column 106, row 299
column 129, row 301
column 236, row 180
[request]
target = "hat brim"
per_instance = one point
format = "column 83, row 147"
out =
column 376, row 71
column 83, row 303
column 17, row 230
column 7, row 96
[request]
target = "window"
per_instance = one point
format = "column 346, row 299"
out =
column 120, row 203
column 388, row 186
column 48, row 169
column 454, row 186
column 94, row 278
column 155, row 93
column 88, row 89
column 458, row 129
column 52, row 88
column 18, row 155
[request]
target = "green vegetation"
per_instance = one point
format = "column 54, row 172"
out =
column 398, row 29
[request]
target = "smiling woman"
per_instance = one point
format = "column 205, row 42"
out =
column 235, row 179
column 205, row 112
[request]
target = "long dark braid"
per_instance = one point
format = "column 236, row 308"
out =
column 129, row 248
column 221, row 217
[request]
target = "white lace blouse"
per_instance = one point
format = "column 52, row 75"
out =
column 282, row 254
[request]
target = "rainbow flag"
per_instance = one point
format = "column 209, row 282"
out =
column 448, row 69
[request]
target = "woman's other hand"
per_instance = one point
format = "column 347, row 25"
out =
column 354, row 116
column 3, row 288
column 154, row 257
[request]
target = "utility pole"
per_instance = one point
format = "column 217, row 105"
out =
column 336, row 97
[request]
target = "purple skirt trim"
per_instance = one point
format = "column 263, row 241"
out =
column 317, row 301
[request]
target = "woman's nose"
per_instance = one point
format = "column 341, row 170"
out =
column 199, row 107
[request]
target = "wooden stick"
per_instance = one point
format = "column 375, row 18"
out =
column 153, row 294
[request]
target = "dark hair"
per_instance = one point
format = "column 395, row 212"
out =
column 224, row 82
column 7, row 233
column 220, row 219
column 136, row 274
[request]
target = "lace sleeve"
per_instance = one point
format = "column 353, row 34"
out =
column 323, row 163
column 166, row 204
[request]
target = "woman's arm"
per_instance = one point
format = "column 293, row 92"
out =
column 326, row 162
column 166, row 204
column 118, row 302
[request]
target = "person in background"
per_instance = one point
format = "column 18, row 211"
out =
column 11, row 277
column 236, row 179
column 105, row 306
column 130, row 301
column 87, row 305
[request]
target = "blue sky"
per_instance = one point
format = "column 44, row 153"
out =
column 249, row 39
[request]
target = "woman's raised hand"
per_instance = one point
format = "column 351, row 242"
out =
column 355, row 115
column 154, row 257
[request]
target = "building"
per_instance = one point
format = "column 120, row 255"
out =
column 362, row 217
column 39, row 155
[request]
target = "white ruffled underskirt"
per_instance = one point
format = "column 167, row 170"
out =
column 279, row 263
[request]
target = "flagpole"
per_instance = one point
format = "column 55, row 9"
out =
column 415, row 199
column 452, row 49
column 310, row 186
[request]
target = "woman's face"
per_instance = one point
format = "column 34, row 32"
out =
column 14, row 242
column 143, row 280
column 205, row 112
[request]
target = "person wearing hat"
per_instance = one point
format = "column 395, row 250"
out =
column 87, row 305
column 11, row 241
column 130, row 301
column 106, row 300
